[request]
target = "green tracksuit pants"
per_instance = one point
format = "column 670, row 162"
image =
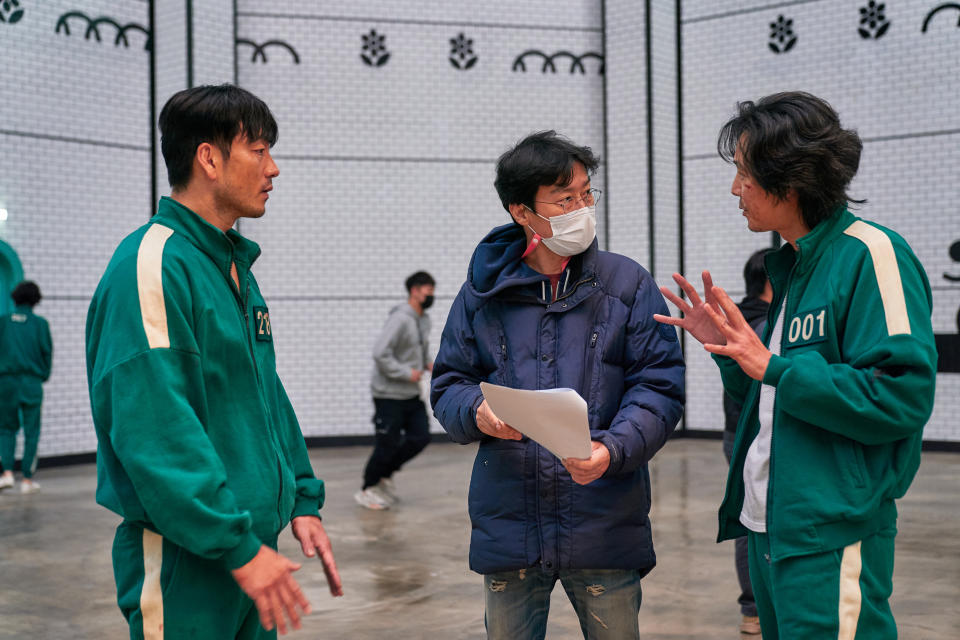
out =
column 840, row 594
column 167, row 592
column 14, row 413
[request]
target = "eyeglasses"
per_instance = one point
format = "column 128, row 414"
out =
column 570, row 203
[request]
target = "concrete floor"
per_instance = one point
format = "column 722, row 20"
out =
column 405, row 571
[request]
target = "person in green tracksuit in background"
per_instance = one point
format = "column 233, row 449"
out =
column 199, row 449
column 835, row 394
column 26, row 355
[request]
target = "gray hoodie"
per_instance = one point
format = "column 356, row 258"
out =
column 401, row 347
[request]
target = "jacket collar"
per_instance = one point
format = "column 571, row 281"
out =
column 222, row 248
column 24, row 309
column 497, row 265
column 809, row 248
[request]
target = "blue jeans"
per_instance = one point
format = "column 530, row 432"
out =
column 606, row 601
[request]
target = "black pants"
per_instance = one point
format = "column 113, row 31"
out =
column 402, row 431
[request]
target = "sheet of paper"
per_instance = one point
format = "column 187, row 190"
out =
column 555, row 418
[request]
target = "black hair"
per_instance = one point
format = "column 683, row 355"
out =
column 541, row 159
column 794, row 140
column 755, row 274
column 214, row 114
column 26, row 293
column 419, row 279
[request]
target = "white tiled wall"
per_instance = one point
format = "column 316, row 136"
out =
column 74, row 174
column 389, row 169
column 899, row 91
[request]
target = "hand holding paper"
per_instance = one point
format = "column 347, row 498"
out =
column 494, row 426
column 555, row 418
column 586, row 471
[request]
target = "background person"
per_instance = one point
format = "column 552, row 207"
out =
column 754, row 308
column 401, row 355
column 26, row 356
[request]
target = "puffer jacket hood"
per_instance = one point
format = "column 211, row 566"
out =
column 497, row 264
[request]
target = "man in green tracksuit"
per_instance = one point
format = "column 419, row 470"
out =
column 26, row 353
column 838, row 390
column 199, row 448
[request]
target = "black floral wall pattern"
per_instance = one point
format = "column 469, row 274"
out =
column 94, row 24
column 782, row 37
column 943, row 7
column 10, row 11
column 873, row 22
column 461, row 54
column 260, row 50
column 374, row 50
column 549, row 61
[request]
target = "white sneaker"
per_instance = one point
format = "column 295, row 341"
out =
column 387, row 489
column 371, row 499
column 6, row 482
column 29, row 486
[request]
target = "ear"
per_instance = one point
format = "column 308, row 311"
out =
column 520, row 214
column 209, row 160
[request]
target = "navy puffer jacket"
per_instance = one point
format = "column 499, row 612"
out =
column 598, row 338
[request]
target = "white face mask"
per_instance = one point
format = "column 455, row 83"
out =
column 573, row 232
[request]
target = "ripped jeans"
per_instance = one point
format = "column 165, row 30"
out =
column 606, row 601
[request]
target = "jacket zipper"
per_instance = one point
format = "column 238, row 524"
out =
column 587, row 382
column 575, row 287
column 263, row 404
column 503, row 359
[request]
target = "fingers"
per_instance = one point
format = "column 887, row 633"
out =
column 276, row 611
column 290, row 602
column 668, row 319
column 507, row 432
column 719, row 349
column 734, row 317
column 718, row 320
column 675, row 299
column 266, row 614
column 330, row 571
column 279, row 603
column 707, row 284
column 491, row 425
column 299, row 597
column 580, row 475
column 687, row 289
column 309, row 545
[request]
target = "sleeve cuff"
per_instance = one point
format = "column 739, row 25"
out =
column 306, row 507
column 243, row 552
column 608, row 440
column 777, row 366
column 311, row 494
column 477, row 434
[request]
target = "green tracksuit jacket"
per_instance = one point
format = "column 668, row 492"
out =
column 26, row 352
column 197, row 439
column 854, row 387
